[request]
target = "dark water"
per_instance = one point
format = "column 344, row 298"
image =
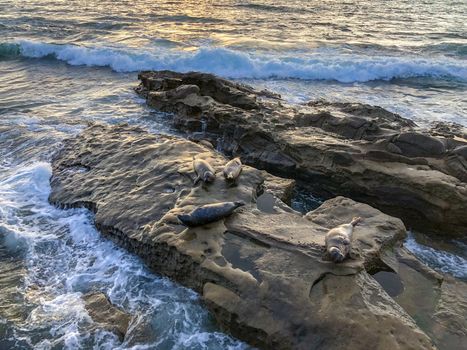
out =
column 64, row 64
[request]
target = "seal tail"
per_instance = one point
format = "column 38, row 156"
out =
column 184, row 219
column 239, row 204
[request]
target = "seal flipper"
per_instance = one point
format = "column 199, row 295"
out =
column 198, row 179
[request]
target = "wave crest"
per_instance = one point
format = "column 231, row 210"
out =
column 325, row 64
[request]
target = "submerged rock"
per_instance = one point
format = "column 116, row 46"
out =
column 263, row 275
column 350, row 149
column 105, row 314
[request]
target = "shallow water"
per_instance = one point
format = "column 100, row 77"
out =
column 64, row 64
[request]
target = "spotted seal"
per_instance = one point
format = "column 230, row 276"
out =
column 209, row 213
column 338, row 240
column 233, row 169
column 204, row 171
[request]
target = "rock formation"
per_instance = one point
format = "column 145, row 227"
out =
column 106, row 315
column 262, row 274
column 358, row 151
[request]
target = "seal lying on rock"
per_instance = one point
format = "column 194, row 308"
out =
column 204, row 171
column 209, row 213
column 338, row 240
column 233, row 169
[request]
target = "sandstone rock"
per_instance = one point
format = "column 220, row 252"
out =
column 436, row 301
column 461, row 151
column 105, row 314
column 414, row 144
column 359, row 151
column 450, row 318
column 262, row 275
column 449, row 130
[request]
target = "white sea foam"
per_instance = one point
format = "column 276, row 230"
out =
column 440, row 260
column 66, row 257
column 324, row 64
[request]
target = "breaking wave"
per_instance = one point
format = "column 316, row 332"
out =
column 323, row 64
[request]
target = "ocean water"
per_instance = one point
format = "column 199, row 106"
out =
column 64, row 64
column 407, row 56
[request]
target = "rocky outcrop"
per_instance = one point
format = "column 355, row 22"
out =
column 358, row 151
column 106, row 315
column 263, row 275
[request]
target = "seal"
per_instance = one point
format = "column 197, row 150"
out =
column 204, row 171
column 233, row 169
column 338, row 240
column 209, row 213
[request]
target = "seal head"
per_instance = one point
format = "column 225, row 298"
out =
column 209, row 177
column 336, row 255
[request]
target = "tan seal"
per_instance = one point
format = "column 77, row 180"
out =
column 204, row 171
column 338, row 240
column 233, row 169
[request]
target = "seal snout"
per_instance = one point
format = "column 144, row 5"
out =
column 336, row 255
column 209, row 176
column 239, row 204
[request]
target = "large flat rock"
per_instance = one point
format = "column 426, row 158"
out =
column 354, row 150
column 262, row 274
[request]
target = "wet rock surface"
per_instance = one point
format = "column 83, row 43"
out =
column 106, row 315
column 437, row 302
column 350, row 149
column 262, row 274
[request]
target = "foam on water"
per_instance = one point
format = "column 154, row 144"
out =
column 66, row 257
column 440, row 260
column 322, row 64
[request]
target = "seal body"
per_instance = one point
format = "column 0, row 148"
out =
column 204, row 171
column 233, row 169
column 209, row 213
column 338, row 240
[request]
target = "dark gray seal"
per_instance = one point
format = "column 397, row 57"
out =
column 204, row 171
column 338, row 240
column 233, row 169
column 209, row 213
